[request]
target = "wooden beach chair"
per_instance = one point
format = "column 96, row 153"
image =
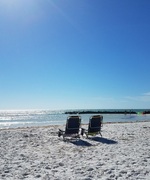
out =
column 72, row 128
column 94, row 126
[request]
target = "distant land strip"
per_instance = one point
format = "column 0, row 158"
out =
column 106, row 112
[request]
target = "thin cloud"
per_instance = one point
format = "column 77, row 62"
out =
column 145, row 97
column 146, row 94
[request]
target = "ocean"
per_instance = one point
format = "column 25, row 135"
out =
column 28, row 118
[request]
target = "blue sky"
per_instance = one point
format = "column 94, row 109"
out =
column 72, row 54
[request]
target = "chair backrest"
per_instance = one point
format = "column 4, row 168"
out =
column 73, row 125
column 95, row 124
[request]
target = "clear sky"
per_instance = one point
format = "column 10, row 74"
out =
column 72, row 54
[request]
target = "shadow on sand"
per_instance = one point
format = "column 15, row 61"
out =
column 81, row 142
column 103, row 140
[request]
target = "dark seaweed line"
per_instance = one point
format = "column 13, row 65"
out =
column 105, row 112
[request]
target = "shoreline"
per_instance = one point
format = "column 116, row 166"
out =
column 63, row 125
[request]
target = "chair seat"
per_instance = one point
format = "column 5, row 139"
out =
column 72, row 127
column 94, row 126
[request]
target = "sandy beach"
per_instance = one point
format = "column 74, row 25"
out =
column 38, row 153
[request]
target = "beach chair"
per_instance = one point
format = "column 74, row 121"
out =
column 94, row 126
column 72, row 128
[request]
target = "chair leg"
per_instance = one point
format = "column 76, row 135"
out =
column 82, row 131
column 86, row 135
column 100, row 134
column 60, row 133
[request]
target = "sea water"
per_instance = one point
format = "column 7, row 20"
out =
column 28, row 118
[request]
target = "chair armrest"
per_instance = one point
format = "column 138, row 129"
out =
column 61, row 130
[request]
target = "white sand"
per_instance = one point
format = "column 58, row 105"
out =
column 37, row 153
